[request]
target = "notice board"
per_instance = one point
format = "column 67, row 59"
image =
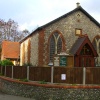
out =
column 63, row 60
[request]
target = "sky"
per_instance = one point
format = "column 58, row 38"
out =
column 30, row 14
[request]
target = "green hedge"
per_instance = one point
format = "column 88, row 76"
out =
column 6, row 63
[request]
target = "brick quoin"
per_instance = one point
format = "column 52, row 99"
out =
column 41, row 47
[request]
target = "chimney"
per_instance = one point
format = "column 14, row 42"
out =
column 78, row 4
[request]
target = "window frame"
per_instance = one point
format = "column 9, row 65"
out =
column 76, row 33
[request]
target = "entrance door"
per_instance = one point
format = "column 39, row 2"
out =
column 85, row 61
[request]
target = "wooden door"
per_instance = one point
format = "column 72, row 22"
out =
column 85, row 61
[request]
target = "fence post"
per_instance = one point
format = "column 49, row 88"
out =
column 84, row 75
column 27, row 72
column 5, row 70
column 52, row 74
column 12, row 72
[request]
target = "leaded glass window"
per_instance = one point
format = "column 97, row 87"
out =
column 59, row 45
column 52, row 48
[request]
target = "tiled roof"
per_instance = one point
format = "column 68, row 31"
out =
column 10, row 49
column 77, row 45
column 80, row 42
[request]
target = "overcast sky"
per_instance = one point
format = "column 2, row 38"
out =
column 32, row 13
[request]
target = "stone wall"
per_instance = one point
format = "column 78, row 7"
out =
column 34, row 49
column 24, row 52
column 66, row 26
column 49, row 91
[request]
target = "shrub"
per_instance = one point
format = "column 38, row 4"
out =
column 27, row 64
column 43, row 82
column 6, row 63
column 24, row 80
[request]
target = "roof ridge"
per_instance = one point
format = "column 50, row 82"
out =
column 65, row 15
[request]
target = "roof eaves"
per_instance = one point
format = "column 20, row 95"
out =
column 67, row 14
column 39, row 28
column 89, row 16
column 63, row 16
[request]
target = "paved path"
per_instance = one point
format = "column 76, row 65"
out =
column 11, row 97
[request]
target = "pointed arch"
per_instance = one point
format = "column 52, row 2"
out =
column 96, row 44
column 56, row 44
column 61, row 35
column 86, row 50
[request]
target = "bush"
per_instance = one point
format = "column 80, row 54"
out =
column 24, row 80
column 27, row 64
column 6, row 63
column 43, row 82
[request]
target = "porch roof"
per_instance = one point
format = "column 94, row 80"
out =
column 78, row 45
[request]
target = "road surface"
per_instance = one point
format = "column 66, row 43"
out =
column 11, row 97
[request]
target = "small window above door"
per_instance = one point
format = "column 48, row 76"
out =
column 78, row 32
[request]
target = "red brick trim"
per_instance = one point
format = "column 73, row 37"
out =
column 51, row 85
column 41, row 47
column 97, row 36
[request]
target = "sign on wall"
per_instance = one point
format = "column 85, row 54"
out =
column 63, row 76
column 56, row 61
column 63, row 60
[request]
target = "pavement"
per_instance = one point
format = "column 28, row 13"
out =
column 11, row 97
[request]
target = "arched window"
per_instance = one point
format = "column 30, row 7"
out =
column 96, row 44
column 52, row 48
column 59, row 45
column 86, row 50
column 99, row 47
column 55, row 45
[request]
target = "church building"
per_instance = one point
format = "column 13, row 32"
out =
column 75, row 33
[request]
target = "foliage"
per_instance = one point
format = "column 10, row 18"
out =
column 24, row 80
column 6, row 63
column 27, row 64
column 9, row 31
column 43, row 82
column 1, row 74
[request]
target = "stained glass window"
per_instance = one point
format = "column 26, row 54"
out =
column 59, row 45
column 52, row 48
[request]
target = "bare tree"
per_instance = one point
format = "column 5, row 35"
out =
column 9, row 31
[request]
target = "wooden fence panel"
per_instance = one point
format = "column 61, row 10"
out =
column 9, row 71
column 93, row 75
column 20, row 72
column 0, row 69
column 40, row 74
column 73, row 75
column 3, row 70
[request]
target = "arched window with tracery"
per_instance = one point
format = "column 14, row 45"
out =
column 99, row 47
column 96, row 44
column 55, row 45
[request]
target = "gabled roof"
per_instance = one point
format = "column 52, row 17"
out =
column 63, row 16
column 75, row 10
column 78, row 45
column 10, row 49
